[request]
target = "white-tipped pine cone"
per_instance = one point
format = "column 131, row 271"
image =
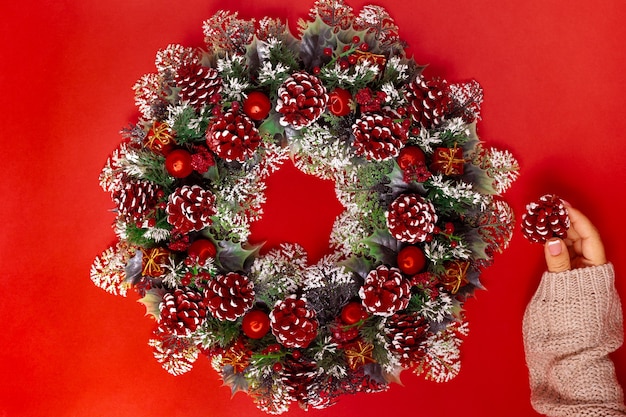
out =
column 385, row 291
column 136, row 199
column 407, row 332
column 198, row 84
column 545, row 219
column 302, row 99
column 182, row 310
column 230, row 296
column 428, row 101
column 411, row 218
column 190, row 208
column 233, row 136
column 378, row 136
column 293, row 322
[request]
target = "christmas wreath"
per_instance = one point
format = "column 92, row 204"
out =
column 342, row 100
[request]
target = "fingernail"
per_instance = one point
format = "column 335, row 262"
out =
column 554, row 247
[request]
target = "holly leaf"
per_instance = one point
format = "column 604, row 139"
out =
column 151, row 302
column 359, row 265
column 232, row 256
column 383, row 247
column 235, row 380
column 271, row 126
column 315, row 38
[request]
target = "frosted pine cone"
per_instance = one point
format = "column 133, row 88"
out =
column 136, row 199
column 385, row 291
column 411, row 218
column 407, row 332
column 183, row 310
column 428, row 101
column 293, row 322
column 198, row 84
column 378, row 137
column 190, row 208
column 230, row 296
column 297, row 376
column 233, row 136
column 302, row 99
column 545, row 219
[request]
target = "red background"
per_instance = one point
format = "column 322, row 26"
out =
column 553, row 75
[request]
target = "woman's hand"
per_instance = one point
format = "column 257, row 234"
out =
column 582, row 247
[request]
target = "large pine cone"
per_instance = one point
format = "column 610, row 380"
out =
column 293, row 322
column 302, row 99
column 407, row 332
column 198, row 84
column 378, row 137
column 183, row 310
column 411, row 218
column 190, row 208
column 428, row 101
column 136, row 199
column 385, row 291
column 233, row 136
column 230, row 296
column 545, row 219
column 297, row 376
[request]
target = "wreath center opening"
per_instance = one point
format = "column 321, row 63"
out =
column 299, row 208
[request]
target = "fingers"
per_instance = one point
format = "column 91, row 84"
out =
column 557, row 255
column 586, row 239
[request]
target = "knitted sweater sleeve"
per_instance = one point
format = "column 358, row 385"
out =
column 570, row 326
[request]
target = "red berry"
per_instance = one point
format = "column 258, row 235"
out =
column 344, row 64
column 364, row 47
column 356, row 39
column 202, row 249
column 235, row 106
column 277, row 367
column 353, row 313
column 256, row 324
column 339, row 102
column 296, row 354
column 411, row 260
column 328, row 52
column 316, row 70
column 352, row 59
column 449, row 228
column 410, row 156
column 178, row 163
column 346, row 48
column 257, row 105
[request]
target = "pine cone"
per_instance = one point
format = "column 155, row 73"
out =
column 198, row 84
column 407, row 332
column 302, row 99
column 385, row 291
column 293, row 322
column 230, row 296
column 190, row 208
column 233, row 136
column 183, row 310
column 411, row 218
column 428, row 101
column 297, row 376
column 136, row 199
column 545, row 219
column 378, row 137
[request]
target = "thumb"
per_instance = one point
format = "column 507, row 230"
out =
column 557, row 255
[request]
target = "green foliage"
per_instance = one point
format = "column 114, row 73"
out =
column 223, row 333
column 189, row 127
column 232, row 256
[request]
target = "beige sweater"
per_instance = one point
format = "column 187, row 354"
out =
column 571, row 325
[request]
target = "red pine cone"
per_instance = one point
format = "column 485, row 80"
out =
column 198, row 84
column 190, row 208
column 183, row 310
column 545, row 219
column 385, row 291
column 407, row 332
column 297, row 376
column 293, row 322
column 302, row 99
column 411, row 218
column 428, row 101
column 230, row 296
column 233, row 136
column 378, row 137
column 136, row 199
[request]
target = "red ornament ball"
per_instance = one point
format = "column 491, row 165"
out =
column 255, row 324
column 257, row 105
column 411, row 260
column 339, row 102
column 410, row 156
column 353, row 312
column 202, row 249
column 178, row 163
